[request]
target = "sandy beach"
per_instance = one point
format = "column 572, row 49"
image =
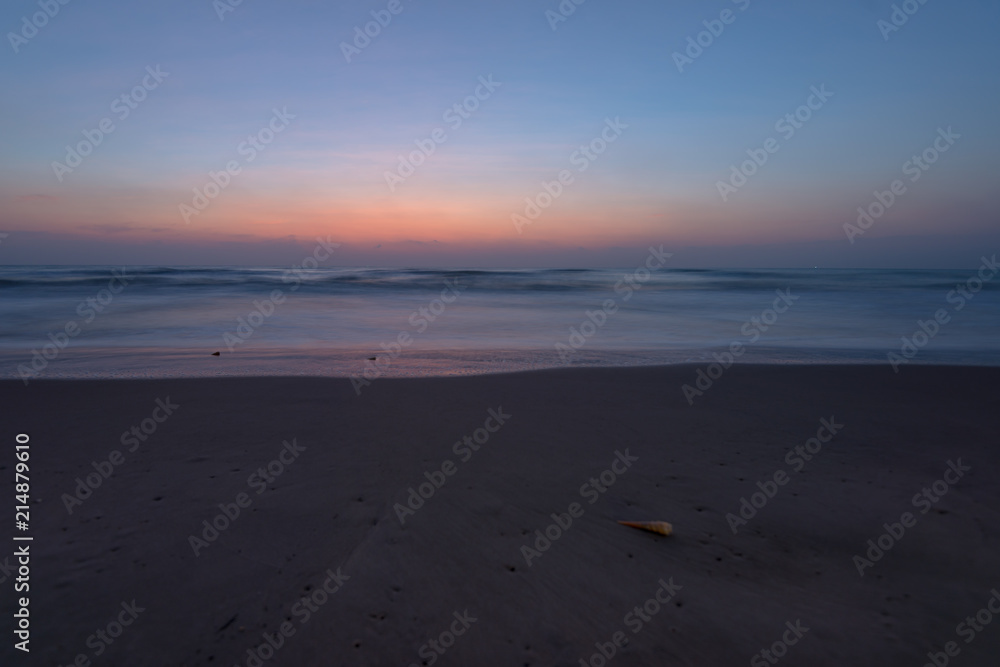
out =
column 473, row 520
column 500, row 334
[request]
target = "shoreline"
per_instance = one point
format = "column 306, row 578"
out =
column 135, row 364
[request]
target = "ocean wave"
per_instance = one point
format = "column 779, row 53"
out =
column 40, row 279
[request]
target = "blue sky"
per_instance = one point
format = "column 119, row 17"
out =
column 657, row 183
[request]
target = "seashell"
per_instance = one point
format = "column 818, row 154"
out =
column 661, row 527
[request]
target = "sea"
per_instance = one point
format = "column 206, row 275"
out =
column 154, row 322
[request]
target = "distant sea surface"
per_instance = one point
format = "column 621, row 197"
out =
column 70, row 322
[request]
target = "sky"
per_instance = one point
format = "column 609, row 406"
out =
column 506, row 134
